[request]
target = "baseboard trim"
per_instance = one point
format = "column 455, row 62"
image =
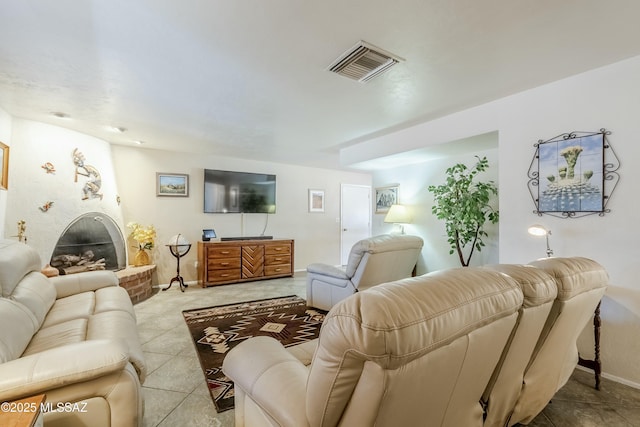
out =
column 613, row 378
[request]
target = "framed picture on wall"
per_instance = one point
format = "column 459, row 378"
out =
column 385, row 197
column 316, row 200
column 4, row 164
column 172, row 184
column 573, row 174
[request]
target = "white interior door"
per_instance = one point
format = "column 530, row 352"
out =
column 355, row 217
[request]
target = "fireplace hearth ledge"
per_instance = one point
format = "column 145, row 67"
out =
column 138, row 281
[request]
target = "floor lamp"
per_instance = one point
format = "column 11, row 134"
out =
column 539, row 230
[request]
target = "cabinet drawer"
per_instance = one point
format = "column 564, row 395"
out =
column 277, row 259
column 223, row 252
column 274, row 270
column 223, row 275
column 274, row 249
column 223, row 263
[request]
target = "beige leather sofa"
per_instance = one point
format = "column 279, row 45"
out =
column 372, row 261
column 407, row 353
column 73, row 338
column 444, row 349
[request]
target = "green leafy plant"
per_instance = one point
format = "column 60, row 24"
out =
column 464, row 205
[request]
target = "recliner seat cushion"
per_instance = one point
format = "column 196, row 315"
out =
column 58, row 335
column 86, row 304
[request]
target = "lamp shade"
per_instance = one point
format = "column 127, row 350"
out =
column 538, row 230
column 398, row 214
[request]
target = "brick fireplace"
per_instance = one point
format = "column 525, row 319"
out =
column 93, row 241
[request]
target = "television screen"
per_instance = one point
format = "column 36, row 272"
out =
column 239, row 192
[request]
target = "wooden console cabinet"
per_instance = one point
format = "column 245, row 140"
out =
column 220, row 263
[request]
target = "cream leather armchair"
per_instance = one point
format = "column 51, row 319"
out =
column 371, row 261
column 408, row 353
column 73, row 338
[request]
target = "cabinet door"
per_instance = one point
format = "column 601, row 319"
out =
column 252, row 261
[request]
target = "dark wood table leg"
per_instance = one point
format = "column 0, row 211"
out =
column 594, row 364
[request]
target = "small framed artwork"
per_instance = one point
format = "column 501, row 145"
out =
column 172, row 184
column 385, row 197
column 4, row 164
column 316, row 200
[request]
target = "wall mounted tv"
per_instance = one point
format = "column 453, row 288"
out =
column 239, row 192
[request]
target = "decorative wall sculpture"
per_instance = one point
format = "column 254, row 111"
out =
column 91, row 188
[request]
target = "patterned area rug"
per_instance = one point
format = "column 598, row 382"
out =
column 216, row 330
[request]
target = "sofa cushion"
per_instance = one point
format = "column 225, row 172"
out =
column 16, row 261
column 70, row 332
column 87, row 304
column 574, row 275
column 118, row 325
column 538, row 287
column 79, row 306
column 17, row 327
column 113, row 298
column 36, row 293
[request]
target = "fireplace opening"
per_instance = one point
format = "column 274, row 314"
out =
column 92, row 241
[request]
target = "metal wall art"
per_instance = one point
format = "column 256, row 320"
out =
column 573, row 174
column 48, row 167
column 91, row 189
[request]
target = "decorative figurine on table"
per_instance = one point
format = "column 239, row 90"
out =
column 22, row 228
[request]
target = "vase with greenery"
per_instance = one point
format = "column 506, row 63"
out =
column 463, row 202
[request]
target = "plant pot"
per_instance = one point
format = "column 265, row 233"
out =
column 141, row 258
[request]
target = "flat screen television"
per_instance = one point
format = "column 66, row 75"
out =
column 239, row 192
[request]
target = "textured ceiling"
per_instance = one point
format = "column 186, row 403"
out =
column 249, row 78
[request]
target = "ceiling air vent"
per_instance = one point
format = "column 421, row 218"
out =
column 364, row 62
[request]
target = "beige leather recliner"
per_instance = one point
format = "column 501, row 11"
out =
column 408, row 353
column 371, row 261
column 581, row 284
column 540, row 291
column 73, row 338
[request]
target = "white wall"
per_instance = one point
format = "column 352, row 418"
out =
column 413, row 181
column 33, row 145
column 609, row 98
column 316, row 235
column 5, row 138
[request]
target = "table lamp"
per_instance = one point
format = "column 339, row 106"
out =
column 398, row 214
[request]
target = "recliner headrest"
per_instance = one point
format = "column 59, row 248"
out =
column 16, row 261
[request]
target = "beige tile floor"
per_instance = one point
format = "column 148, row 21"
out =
column 176, row 394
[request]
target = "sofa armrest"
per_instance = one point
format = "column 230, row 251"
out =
column 327, row 270
column 275, row 381
column 61, row 366
column 72, row 284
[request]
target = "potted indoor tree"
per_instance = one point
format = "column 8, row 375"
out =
column 464, row 204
